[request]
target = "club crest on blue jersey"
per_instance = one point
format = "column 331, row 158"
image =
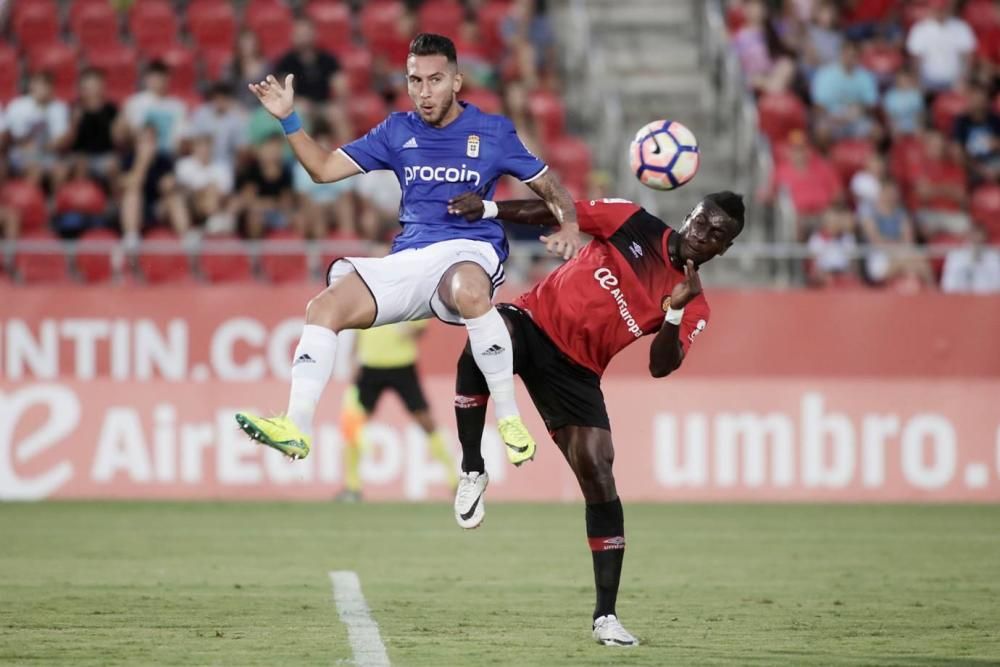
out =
column 472, row 146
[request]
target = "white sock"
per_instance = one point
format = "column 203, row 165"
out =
column 312, row 366
column 494, row 354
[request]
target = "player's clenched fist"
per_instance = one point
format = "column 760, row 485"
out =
column 468, row 205
column 278, row 99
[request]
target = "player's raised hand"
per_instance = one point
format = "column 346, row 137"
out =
column 565, row 243
column 468, row 205
column 687, row 289
column 276, row 98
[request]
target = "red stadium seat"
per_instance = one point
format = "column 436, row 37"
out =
column 570, row 157
column 164, row 267
column 779, row 114
column 849, row 156
column 365, row 111
column 483, row 98
column 379, row 20
column 442, row 17
column 215, row 63
column 118, row 63
column 81, row 196
column 36, row 25
column 229, row 261
column 96, row 266
column 985, row 209
column 948, row 106
column 905, row 152
column 78, row 7
column 549, row 113
column 735, row 17
column 34, row 267
column 19, row 7
column 491, row 16
column 884, row 60
column 332, row 20
column 983, row 16
column 27, row 200
column 272, row 23
column 212, row 24
column 153, row 25
column 284, row 267
column 61, row 62
column 95, row 24
column 183, row 77
column 357, row 64
column 9, row 74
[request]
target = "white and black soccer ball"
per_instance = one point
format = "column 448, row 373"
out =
column 664, row 155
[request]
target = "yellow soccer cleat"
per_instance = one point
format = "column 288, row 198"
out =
column 520, row 444
column 277, row 432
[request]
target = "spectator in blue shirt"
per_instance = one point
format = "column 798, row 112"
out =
column 904, row 104
column 845, row 92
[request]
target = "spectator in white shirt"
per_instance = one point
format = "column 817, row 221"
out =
column 833, row 248
column 942, row 44
column 38, row 125
column 224, row 121
column 154, row 107
column 206, row 184
column 972, row 268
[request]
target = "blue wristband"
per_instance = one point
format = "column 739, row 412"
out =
column 291, row 123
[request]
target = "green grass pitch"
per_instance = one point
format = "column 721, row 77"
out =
column 246, row 584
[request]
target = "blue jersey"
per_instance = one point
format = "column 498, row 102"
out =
column 435, row 164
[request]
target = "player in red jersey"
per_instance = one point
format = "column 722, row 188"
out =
column 637, row 277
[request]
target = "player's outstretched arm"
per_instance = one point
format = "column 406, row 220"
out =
column 279, row 100
column 666, row 353
column 566, row 242
column 524, row 211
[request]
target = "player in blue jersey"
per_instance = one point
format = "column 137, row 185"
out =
column 440, row 265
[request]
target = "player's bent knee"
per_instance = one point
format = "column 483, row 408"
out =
column 468, row 290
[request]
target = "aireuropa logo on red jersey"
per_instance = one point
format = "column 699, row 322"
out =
column 609, row 281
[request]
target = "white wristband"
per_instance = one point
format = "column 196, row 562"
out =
column 490, row 209
column 674, row 316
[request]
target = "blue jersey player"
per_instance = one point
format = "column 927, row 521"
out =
column 440, row 265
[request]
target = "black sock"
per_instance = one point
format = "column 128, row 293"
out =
column 471, row 396
column 606, row 535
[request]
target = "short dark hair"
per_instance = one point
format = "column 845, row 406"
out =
column 220, row 89
column 157, row 67
column 429, row 44
column 732, row 205
column 91, row 72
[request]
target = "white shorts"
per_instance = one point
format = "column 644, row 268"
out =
column 405, row 284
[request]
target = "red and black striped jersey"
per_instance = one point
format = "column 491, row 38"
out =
column 616, row 290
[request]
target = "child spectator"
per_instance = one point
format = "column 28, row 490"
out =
column 832, row 248
column 903, row 104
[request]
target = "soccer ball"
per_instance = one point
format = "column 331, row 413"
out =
column 664, row 155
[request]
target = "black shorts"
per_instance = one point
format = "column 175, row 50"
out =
column 564, row 392
column 371, row 382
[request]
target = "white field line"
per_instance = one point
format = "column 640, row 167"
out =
column 362, row 630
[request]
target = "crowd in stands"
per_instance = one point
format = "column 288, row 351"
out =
column 132, row 120
column 883, row 117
